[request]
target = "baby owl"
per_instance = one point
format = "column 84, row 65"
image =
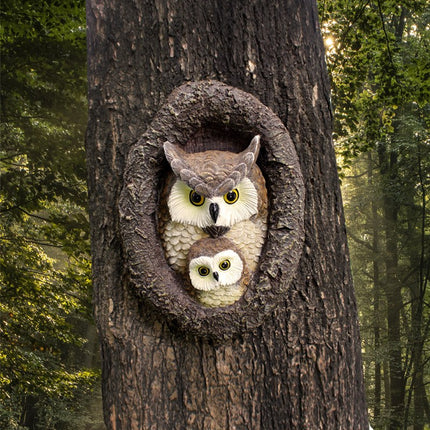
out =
column 217, row 272
column 212, row 194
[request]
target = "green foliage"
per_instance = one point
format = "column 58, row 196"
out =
column 44, row 259
column 365, row 190
column 379, row 62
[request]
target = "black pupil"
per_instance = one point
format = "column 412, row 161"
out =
column 231, row 196
column 224, row 265
column 196, row 198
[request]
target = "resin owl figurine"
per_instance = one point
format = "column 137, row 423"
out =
column 217, row 272
column 212, row 194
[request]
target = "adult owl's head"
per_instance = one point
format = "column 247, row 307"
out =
column 214, row 188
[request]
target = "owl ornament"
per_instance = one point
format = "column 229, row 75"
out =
column 213, row 194
column 199, row 244
column 217, row 272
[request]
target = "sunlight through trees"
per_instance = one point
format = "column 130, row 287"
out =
column 379, row 67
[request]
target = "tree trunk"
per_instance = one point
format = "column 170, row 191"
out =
column 392, row 287
column 302, row 367
column 376, row 292
column 417, row 293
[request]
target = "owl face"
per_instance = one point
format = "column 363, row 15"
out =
column 187, row 206
column 211, row 272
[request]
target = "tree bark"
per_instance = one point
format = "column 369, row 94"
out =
column 301, row 368
column 417, row 294
column 376, row 292
column 392, row 287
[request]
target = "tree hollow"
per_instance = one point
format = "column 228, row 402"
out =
column 201, row 116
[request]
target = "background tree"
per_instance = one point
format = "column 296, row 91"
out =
column 379, row 65
column 46, row 374
column 302, row 367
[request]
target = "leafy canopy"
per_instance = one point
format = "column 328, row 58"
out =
column 44, row 256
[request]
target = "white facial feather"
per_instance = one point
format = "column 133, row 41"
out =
column 183, row 211
column 245, row 207
column 202, row 269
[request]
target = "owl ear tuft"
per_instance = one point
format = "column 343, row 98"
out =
column 249, row 155
column 246, row 160
column 176, row 157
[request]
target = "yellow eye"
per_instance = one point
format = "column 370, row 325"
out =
column 232, row 196
column 203, row 271
column 196, row 199
column 225, row 265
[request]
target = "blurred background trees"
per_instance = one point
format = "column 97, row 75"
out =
column 379, row 61
column 378, row 57
column 48, row 358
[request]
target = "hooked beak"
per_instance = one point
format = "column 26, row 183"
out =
column 214, row 211
column 216, row 276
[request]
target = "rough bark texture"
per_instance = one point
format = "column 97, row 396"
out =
column 301, row 369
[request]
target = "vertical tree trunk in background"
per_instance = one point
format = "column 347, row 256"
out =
column 417, row 290
column 302, row 368
column 418, row 384
column 392, row 287
column 376, row 292
column 421, row 406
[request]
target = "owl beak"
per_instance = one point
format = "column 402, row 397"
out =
column 214, row 211
column 216, row 276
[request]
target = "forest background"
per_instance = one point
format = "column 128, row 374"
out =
column 378, row 58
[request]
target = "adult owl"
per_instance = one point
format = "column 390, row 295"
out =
column 217, row 272
column 212, row 194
